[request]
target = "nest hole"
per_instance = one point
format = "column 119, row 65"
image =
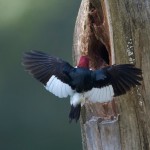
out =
column 99, row 41
column 98, row 54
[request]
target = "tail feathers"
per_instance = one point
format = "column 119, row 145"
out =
column 128, row 76
column 74, row 113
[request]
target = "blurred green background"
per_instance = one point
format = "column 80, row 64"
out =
column 30, row 117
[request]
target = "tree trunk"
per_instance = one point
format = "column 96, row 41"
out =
column 122, row 28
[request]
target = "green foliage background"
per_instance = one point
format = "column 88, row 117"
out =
column 30, row 117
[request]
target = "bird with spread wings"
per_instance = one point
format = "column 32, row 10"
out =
column 81, row 83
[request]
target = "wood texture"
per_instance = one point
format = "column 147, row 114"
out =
column 123, row 28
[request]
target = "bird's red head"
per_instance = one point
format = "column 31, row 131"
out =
column 84, row 62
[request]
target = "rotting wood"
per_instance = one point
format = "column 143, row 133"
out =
column 123, row 28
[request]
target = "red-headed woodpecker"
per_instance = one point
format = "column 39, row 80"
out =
column 81, row 83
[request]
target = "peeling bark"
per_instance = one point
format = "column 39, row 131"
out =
column 122, row 29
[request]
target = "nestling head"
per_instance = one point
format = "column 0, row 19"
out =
column 84, row 62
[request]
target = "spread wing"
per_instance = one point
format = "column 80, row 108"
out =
column 49, row 70
column 114, row 80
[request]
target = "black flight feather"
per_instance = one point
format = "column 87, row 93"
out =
column 121, row 77
column 43, row 66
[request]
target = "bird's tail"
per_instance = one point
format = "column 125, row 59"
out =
column 74, row 113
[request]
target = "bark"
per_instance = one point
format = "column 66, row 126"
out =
column 123, row 29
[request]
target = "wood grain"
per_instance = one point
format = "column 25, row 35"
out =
column 123, row 27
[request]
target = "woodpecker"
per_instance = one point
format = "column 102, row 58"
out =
column 81, row 83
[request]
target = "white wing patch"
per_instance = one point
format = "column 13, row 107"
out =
column 101, row 95
column 58, row 88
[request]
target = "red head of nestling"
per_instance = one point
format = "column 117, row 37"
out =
column 84, row 62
